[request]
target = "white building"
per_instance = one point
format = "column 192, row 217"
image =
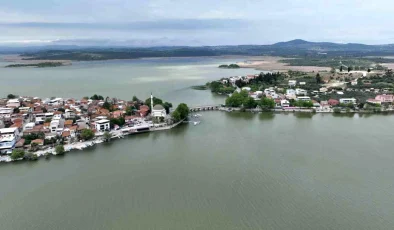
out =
column 30, row 126
column 56, row 101
column 6, row 112
column 57, row 124
column 292, row 83
column 13, row 103
column 159, row 111
column 69, row 114
column 301, row 92
column 102, row 125
column 25, row 109
column 246, row 88
column 284, row 103
column 8, row 138
column 347, row 100
column 304, row 98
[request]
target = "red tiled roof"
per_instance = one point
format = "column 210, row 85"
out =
column 66, row 134
column 38, row 141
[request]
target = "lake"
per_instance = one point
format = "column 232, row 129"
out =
column 232, row 171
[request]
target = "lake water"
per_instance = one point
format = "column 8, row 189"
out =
column 233, row 171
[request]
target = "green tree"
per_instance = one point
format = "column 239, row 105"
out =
column 267, row 103
column 250, row 103
column 318, row 79
column 61, row 110
column 183, row 110
column 59, row 149
column 135, row 99
column 34, row 146
column 349, row 69
column 16, row 110
column 87, row 134
column 341, row 68
column 17, row 154
column 176, row 116
column 11, row 96
column 369, row 70
column 107, row 105
column 48, row 120
column 30, row 157
column 107, row 136
column 332, row 70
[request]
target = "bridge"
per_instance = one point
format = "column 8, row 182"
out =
column 204, row 108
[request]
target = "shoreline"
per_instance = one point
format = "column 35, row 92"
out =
column 77, row 146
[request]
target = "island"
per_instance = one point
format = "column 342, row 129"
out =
column 231, row 66
column 38, row 65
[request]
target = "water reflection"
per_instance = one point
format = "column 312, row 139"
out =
column 243, row 115
column 304, row 115
column 266, row 116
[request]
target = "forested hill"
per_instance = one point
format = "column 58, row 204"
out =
column 291, row 48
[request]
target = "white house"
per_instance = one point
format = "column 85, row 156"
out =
column 102, row 125
column 301, row 92
column 69, row 114
column 56, row 101
column 292, row 83
column 246, row 88
column 8, row 138
column 13, row 103
column 347, row 100
column 284, row 103
column 57, row 123
column 304, row 98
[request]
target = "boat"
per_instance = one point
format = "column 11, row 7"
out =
column 196, row 122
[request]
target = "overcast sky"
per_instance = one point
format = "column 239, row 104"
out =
column 202, row 22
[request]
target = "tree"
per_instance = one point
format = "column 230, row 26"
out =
column 17, row 154
column 267, row 104
column 156, row 101
column 117, row 121
column 369, row 70
column 48, row 120
column 30, row 157
column 349, row 69
column 16, row 110
column 318, row 78
column 107, row 136
column 167, row 106
column 44, row 109
column 11, row 96
column 176, row 116
column 97, row 97
column 183, row 111
column 87, row 134
column 61, row 110
column 107, row 105
column 250, row 103
column 332, row 70
column 59, row 149
column 341, row 68
column 135, row 99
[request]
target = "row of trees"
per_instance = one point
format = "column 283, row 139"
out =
column 242, row 99
column 21, row 154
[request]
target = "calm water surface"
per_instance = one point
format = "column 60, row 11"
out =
column 233, row 171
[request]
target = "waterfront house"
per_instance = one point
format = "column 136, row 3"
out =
column 374, row 101
column 102, row 125
column 284, row 103
column 39, row 142
column 333, row 102
column 347, row 101
column 69, row 114
column 385, row 98
column 8, row 139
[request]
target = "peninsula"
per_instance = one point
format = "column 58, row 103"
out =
column 38, row 65
column 31, row 127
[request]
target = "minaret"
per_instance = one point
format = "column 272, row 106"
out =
column 151, row 103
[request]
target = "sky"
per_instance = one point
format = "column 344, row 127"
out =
column 192, row 22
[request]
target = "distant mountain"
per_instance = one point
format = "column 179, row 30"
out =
column 297, row 47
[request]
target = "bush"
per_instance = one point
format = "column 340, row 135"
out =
column 17, row 154
column 31, row 157
column 59, row 150
column 87, row 134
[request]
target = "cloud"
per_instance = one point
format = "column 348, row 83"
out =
column 206, row 21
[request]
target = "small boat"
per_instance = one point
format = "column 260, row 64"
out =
column 196, row 122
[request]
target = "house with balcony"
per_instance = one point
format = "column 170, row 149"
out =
column 8, row 139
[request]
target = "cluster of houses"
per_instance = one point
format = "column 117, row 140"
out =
column 294, row 91
column 65, row 118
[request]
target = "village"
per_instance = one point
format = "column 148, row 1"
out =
column 31, row 127
column 348, row 93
